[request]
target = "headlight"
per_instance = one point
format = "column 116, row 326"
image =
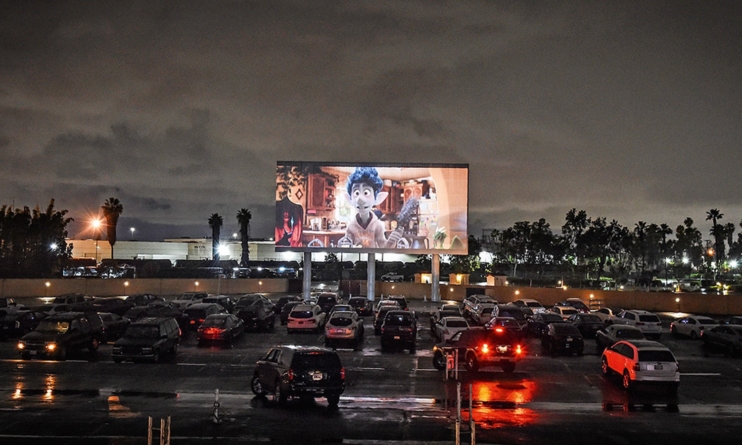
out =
column 51, row 346
column 21, row 345
column 146, row 350
column 117, row 349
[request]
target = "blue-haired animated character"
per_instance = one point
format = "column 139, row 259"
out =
column 364, row 193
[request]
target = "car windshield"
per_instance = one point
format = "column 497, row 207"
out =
column 487, row 310
column 629, row 333
column 358, row 302
column 535, row 304
column 656, row 356
column 142, row 331
column 569, row 311
column 301, row 314
column 341, row 321
column 649, row 318
column 316, row 360
column 564, row 329
column 59, row 327
column 591, row 319
column 457, row 324
column 325, row 300
column 706, row 321
column 518, row 315
column 196, row 313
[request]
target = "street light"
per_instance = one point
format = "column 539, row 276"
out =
column 132, row 233
column 96, row 224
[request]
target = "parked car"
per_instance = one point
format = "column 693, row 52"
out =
column 605, row 313
column 458, row 344
column 649, row 323
column 499, row 348
column 344, row 327
column 587, row 324
column 20, row 322
column 609, row 335
column 278, row 307
column 144, row 299
column 115, row 305
column 562, row 338
column 189, row 298
column 447, row 327
column 382, row 308
column 223, row 328
column 59, row 334
column 340, row 308
column 250, row 299
column 727, row 338
column 362, row 305
column 327, row 300
column 532, row 305
column 509, row 323
column 472, row 301
column 564, row 311
column 150, row 339
column 198, row 312
column 71, row 299
column 399, row 329
column 52, row 308
column 539, row 322
column 401, row 299
column 735, row 319
column 224, row 301
column 482, row 313
column 114, row 326
column 256, row 316
column 510, row 310
column 306, row 317
column 304, row 371
column 692, row 326
column 286, row 310
column 159, row 310
column 449, row 309
column 8, row 304
column 392, row 277
column 641, row 361
column 575, row 303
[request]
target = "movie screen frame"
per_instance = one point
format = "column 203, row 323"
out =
column 400, row 208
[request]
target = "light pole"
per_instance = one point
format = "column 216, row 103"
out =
column 132, row 233
column 96, row 223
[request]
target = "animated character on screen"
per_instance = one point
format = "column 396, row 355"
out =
column 366, row 229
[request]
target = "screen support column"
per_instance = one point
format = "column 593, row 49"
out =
column 435, row 265
column 371, row 276
column 306, row 287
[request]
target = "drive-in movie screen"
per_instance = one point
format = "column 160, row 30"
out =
column 406, row 208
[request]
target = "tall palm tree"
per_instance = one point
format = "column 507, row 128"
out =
column 215, row 222
column 715, row 215
column 112, row 209
column 243, row 218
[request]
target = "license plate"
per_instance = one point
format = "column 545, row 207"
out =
column 658, row 367
column 317, row 376
column 396, row 337
column 301, row 322
column 569, row 338
column 32, row 352
column 502, row 349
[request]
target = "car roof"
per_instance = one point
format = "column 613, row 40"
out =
column 150, row 320
column 304, row 306
column 646, row 344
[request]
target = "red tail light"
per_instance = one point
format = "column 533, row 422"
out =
column 485, row 348
column 636, row 367
column 518, row 350
column 342, row 373
column 498, row 329
column 291, row 374
column 639, row 323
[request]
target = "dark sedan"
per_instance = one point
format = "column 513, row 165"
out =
column 562, row 338
column 587, row 324
column 362, row 305
column 220, row 328
column 21, row 322
column 607, row 337
column 113, row 325
column 159, row 309
column 727, row 338
column 286, row 310
column 538, row 323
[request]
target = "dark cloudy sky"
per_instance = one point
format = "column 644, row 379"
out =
column 629, row 110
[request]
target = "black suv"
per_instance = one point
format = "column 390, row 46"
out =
column 478, row 348
column 148, row 339
column 327, row 300
column 305, row 371
column 58, row 334
column 400, row 328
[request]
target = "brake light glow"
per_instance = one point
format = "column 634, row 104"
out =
column 290, row 374
column 498, row 329
column 485, row 348
column 342, row 373
column 518, row 350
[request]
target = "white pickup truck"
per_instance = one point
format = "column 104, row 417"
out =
column 391, row 276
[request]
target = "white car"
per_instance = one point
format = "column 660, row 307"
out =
column 472, row 301
column 189, row 298
column 692, row 326
column 531, row 304
column 482, row 313
column 564, row 311
column 641, row 361
column 446, row 327
column 306, row 317
column 604, row 313
column 344, row 327
column 647, row 322
column 392, row 277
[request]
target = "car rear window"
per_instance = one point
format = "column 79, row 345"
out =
column 629, row 333
column 301, row 314
column 216, row 321
column 534, row 304
column 552, row 317
column 398, row 319
column 656, row 356
column 341, row 321
column 565, row 329
column 649, row 318
column 487, row 310
column 457, row 324
column 518, row 315
column 591, row 319
column 316, row 360
column 706, row 321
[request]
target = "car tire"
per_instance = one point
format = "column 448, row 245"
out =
column 413, row 348
column 472, row 365
column 508, row 368
column 626, row 382
column 333, row 400
column 439, row 361
column 604, row 368
column 257, row 387
column 693, row 335
column 117, row 360
column 278, row 395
